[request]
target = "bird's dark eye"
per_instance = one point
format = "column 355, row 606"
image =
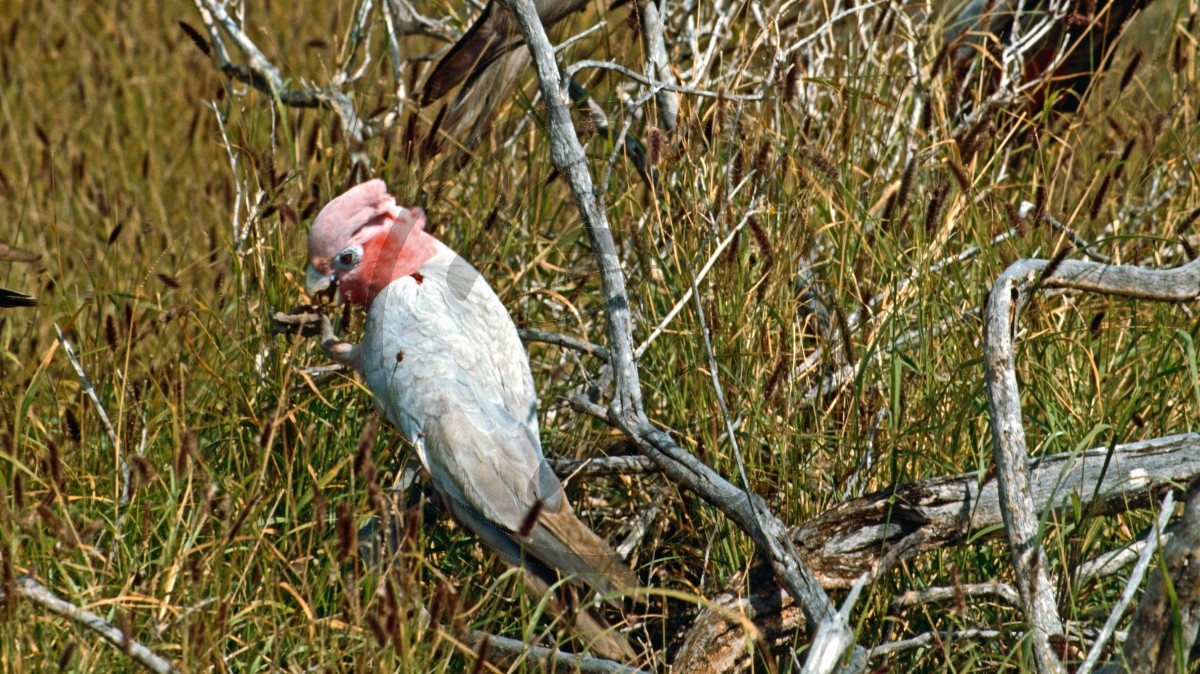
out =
column 347, row 257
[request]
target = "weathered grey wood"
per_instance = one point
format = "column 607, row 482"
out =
column 856, row 536
column 1150, row 646
column 719, row 641
column 1005, row 301
column 606, row 465
column 25, row 587
column 658, row 66
column 1131, row 587
column 1013, row 479
column 747, row 510
column 505, row 652
column 853, row 536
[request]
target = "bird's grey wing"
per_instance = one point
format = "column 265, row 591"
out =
column 500, row 363
column 485, row 460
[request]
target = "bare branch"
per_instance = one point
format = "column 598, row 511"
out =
column 90, row 391
column 1168, row 615
column 657, row 65
column 854, row 536
column 1135, row 581
column 1016, row 497
column 746, row 509
column 656, row 85
column 505, row 652
column 606, row 465
column 1112, row 561
column 27, row 588
column 565, row 341
column 834, row 635
column 1005, row 301
column 264, row 76
column 930, row 638
column 935, row 594
column 408, row 21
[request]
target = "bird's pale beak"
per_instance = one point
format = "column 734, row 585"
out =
column 315, row 282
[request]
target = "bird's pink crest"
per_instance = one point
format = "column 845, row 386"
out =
column 365, row 204
column 393, row 240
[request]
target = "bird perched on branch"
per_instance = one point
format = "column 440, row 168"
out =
column 445, row 366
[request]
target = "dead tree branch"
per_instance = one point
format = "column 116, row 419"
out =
column 1008, row 296
column 565, row 341
column 505, row 652
column 261, row 74
column 607, row 465
column 935, row 594
column 872, row 532
column 930, row 638
column 658, row 67
column 748, row 510
column 1161, row 618
column 854, row 536
column 29, row 589
column 1134, row 582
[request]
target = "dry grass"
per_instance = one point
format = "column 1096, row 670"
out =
column 230, row 555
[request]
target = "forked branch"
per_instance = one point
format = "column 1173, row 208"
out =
column 1009, row 294
column 748, row 510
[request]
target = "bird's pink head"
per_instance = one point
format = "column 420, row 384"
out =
column 362, row 241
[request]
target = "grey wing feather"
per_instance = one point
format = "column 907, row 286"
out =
column 487, row 461
column 484, row 463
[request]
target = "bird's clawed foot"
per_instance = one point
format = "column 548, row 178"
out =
column 312, row 321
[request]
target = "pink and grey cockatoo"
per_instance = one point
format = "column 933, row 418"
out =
column 443, row 361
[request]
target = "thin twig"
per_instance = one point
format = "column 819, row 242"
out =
column 90, row 391
column 1131, row 587
column 655, row 84
column 931, row 638
column 687, row 294
column 604, row 465
column 1112, row 561
column 264, row 76
column 935, row 594
column 565, row 341
column 506, row 652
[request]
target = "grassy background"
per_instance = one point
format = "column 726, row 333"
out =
column 232, row 552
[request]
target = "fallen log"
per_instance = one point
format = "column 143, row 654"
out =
column 854, row 536
column 872, row 533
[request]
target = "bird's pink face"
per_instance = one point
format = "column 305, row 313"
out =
column 362, row 241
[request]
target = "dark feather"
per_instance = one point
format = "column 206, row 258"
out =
column 12, row 298
column 484, row 42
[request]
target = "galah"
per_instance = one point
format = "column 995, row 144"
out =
column 446, row 367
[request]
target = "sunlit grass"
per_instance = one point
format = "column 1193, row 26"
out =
column 228, row 555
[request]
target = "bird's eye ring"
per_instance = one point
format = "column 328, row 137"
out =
column 347, row 257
